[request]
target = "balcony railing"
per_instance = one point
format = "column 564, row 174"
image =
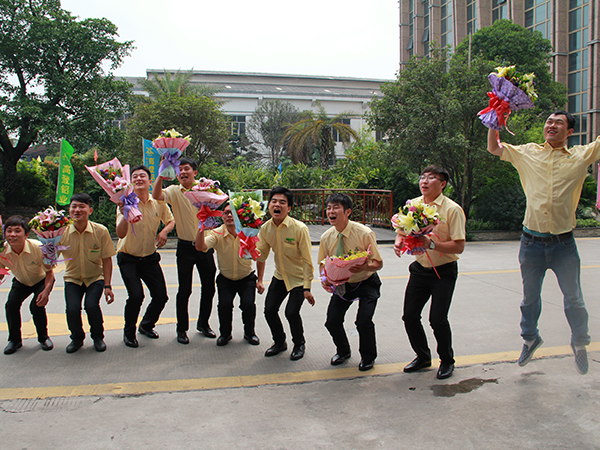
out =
column 370, row 206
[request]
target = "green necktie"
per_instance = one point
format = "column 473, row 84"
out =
column 339, row 251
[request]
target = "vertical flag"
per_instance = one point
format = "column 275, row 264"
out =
column 96, row 156
column 151, row 159
column 66, row 176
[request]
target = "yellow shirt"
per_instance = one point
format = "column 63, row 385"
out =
column 141, row 241
column 86, row 251
column 552, row 181
column 186, row 221
column 228, row 247
column 28, row 267
column 450, row 228
column 290, row 242
column 356, row 236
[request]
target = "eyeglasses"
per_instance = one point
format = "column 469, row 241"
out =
column 429, row 178
column 227, row 213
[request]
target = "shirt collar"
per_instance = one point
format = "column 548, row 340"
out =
column 438, row 201
column 564, row 147
column 26, row 248
column 88, row 228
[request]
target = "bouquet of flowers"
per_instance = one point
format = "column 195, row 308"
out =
column 171, row 145
column 50, row 225
column 207, row 197
column 511, row 91
column 248, row 210
column 336, row 269
column 114, row 179
column 413, row 220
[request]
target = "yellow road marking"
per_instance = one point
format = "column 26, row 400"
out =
column 195, row 384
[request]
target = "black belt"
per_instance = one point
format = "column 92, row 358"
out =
column 548, row 239
column 192, row 243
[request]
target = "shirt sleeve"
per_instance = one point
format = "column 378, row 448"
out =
column 371, row 241
column 166, row 215
column 108, row 248
column 262, row 246
column 456, row 224
column 307, row 265
column 211, row 239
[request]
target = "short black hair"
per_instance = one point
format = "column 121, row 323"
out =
column 437, row 170
column 570, row 118
column 340, row 198
column 17, row 221
column 82, row 197
column 189, row 161
column 284, row 191
column 141, row 167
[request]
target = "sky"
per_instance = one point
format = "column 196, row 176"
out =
column 342, row 38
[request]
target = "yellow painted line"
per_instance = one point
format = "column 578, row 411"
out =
column 195, row 384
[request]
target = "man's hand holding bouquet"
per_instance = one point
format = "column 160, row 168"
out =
column 248, row 210
column 50, row 225
column 170, row 144
column 337, row 270
column 115, row 180
column 206, row 195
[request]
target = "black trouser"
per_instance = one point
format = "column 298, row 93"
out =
column 17, row 295
column 73, row 296
column 134, row 270
column 246, row 289
column 424, row 283
column 187, row 258
column 275, row 297
column 366, row 292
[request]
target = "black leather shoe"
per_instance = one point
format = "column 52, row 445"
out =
column 417, row 364
column 47, row 344
column 99, row 345
column 223, row 340
column 182, row 337
column 445, row 371
column 252, row 340
column 275, row 349
column 297, row 352
column 131, row 342
column 339, row 359
column 12, row 347
column 365, row 365
column 74, row 346
column 149, row 333
column 207, row 332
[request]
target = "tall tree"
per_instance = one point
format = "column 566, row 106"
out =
column 267, row 126
column 52, row 79
column 180, row 84
column 316, row 134
column 197, row 116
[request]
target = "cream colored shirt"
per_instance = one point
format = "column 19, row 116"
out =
column 290, row 242
column 227, row 247
column 27, row 267
column 450, row 228
column 356, row 237
column 186, row 221
column 85, row 253
column 552, row 180
column 141, row 240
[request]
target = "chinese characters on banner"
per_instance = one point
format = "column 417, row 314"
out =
column 66, row 176
column 151, row 159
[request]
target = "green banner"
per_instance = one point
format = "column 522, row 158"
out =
column 66, row 176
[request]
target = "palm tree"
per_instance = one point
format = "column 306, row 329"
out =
column 316, row 134
column 179, row 83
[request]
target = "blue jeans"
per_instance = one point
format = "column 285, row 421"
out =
column 563, row 259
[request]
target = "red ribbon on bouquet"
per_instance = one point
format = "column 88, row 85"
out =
column 410, row 242
column 248, row 244
column 205, row 212
column 500, row 106
column 4, row 272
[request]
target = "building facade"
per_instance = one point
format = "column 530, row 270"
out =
column 570, row 25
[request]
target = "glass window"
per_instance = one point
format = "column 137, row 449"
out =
column 584, row 123
column 584, row 58
column 586, row 14
column 573, row 140
column 528, row 4
column 575, row 82
column 574, row 41
column 575, row 20
column 584, row 80
column 584, row 102
column 574, row 61
column 410, row 44
column 425, row 35
column 540, row 13
column 574, row 104
column 528, row 18
column 542, row 29
column 574, row 4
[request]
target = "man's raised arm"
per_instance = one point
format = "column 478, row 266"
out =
column 493, row 146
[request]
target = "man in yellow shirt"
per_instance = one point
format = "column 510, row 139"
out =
column 138, row 259
column 235, row 277
column 290, row 241
column 363, row 286
column 88, row 272
column 433, row 275
column 187, row 255
column 30, row 276
column 552, row 176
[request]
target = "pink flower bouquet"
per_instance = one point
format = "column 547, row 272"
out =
column 207, row 197
column 336, row 269
column 50, row 225
column 114, row 179
column 171, row 145
column 413, row 220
